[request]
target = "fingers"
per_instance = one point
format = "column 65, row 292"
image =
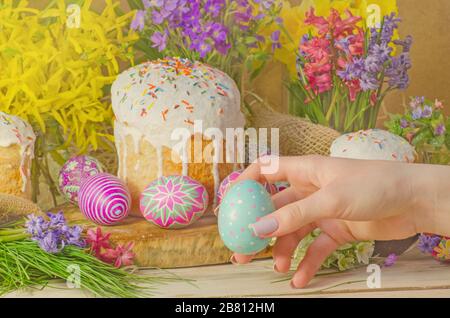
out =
column 291, row 217
column 286, row 246
column 241, row 259
column 285, row 197
column 316, row 254
column 283, row 169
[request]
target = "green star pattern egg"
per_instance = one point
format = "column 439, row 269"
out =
column 244, row 203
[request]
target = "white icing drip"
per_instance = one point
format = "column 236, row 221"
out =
column 118, row 142
column 137, row 166
column 159, row 156
column 185, row 161
column 15, row 131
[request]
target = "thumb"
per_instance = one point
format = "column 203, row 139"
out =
column 322, row 204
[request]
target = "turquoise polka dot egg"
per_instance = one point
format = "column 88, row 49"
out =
column 243, row 203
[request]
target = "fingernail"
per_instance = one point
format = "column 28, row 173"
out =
column 264, row 227
column 275, row 268
column 233, row 260
column 292, row 285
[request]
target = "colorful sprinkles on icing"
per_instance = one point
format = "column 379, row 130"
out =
column 373, row 144
column 170, row 70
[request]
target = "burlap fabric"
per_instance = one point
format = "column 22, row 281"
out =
column 13, row 208
column 298, row 136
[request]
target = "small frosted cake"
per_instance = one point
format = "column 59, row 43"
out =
column 16, row 153
column 161, row 107
column 373, row 144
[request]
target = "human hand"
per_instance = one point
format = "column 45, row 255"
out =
column 349, row 200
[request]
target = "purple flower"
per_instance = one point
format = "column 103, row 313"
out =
column 353, row 70
column 390, row 260
column 218, row 32
column 147, row 4
column 381, row 52
column 417, row 102
column 373, row 64
column 368, row 82
column 56, row 220
column 427, row 111
column 159, row 40
column 390, row 24
column 49, row 243
column 439, row 130
column 404, row 123
column 427, row 243
column 275, row 37
column 214, row 7
column 406, row 43
column 53, row 235
column 73, row 236
column 397, row 72
column 417, row 113
column 138, row 22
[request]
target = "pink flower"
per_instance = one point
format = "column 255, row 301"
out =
column 122, row 255
column 354, row 88
column 438, row 104
column 334, row 25
column 97, row 240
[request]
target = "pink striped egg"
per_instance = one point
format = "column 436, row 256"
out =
column 104, row 199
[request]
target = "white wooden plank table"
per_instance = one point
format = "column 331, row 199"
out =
column 414, row 275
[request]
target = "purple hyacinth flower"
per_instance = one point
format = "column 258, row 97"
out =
column 372, row 64
column 439, row 130
column 381, row 52
column 427, row 243
column 138, row 22
column 56, row 219
column 159, row 40
column 72, row 236
column 49, row 243
column 36, row 225
column 368, row 82
column 390, row 260
column 405, row 44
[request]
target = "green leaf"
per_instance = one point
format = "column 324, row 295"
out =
column 136, row 4
column 437, row 142
column 422, row 137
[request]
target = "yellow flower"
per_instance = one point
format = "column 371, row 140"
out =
column 55, row 73
column 443, row 250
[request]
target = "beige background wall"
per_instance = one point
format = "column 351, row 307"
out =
column 428, row 21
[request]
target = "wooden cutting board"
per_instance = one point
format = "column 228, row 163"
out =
column 196, row 245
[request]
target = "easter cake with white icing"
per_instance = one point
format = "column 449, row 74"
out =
column 158, row 101
column 373, row 144
column 16, row 153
